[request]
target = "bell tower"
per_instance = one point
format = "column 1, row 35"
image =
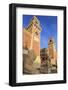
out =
column 52, row 51
column 32, row 39
column 34, row 29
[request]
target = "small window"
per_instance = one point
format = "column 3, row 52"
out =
column 36, row 33
column 50, row 40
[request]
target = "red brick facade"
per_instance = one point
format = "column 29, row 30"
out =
column 27, row 42
column 26, row 39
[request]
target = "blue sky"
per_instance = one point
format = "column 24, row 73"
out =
column 49, row 28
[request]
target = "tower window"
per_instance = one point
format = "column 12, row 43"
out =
column 50, row 40
column 36, row 33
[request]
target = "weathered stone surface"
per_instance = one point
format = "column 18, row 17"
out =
column 28, row 60
column 45, row 62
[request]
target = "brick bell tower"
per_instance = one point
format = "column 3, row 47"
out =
column 32, row 38
column 35, row 35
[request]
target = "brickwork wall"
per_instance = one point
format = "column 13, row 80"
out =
column 27, row 42
column 36, row 47
column 26, row 39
